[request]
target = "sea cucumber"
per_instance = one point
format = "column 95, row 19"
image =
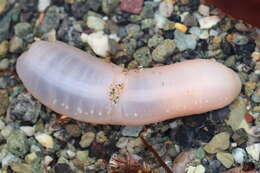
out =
column 78, row 85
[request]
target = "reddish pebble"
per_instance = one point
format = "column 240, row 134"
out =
column 249, row 118
column 132, row 6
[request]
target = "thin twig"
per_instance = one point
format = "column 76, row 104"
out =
column 156, row 155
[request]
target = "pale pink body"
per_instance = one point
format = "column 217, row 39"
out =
column 74, row 83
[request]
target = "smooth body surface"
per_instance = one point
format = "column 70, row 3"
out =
column 76, row 84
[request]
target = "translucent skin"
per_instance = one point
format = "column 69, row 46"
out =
column 78, row 85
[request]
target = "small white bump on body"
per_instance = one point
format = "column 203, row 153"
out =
column 85, row 113
column 54, row 101
column 167, row 110
column 135, row 114
column 100, row 113
column 79, row 110
column 62, row 104
column 92, row 112
column 206, row 101
column 66, row 107
column 196, row 103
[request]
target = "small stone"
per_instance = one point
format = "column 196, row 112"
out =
column 143, row 56
column 101, row 137
column 256, row 96
column 24, row 108
column 162, row 51
column 4, row 64
column 236, row 116
column 184, row 2
column 239, row 39
column 132, row 6
column 4, row 101
column 204, row 10
column 87, row 139
column 22, row 29
column 230, row 61
column 184, row 41
column 133, row 30
column 254, row 151
column 182, row 160
column 43, row 4
column 28, row 130
column 181, row 27
column 62, row 168
column 255, row 56
column 202, row 34
column 96, row 23
column 45, row 140
column 155, row 41
column 219, row 142
column 16, row 44
column 109, row 6
column 2, row 125
column 166, row 8
column 4, row 45
column 98, row 41
column 225, row 158
column 17, row 143
column 51, row 19
column 200, row 153
column 73, row 130
column 3, row 4
column 190, row 21
column 240, row 136
column 132, row 131
column 82, row 156
column 241, row 27
column 21, row 168
column 196, row 169
column 249, row 88
column 239, row 155
column 147, row 23
column 208, row 22
column 29, row 158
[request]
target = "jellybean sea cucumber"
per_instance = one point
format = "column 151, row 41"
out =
column 74, row 83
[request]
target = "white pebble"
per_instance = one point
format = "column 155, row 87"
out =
column 45, row 140
column 166, row 8
column 239, row 155
column 208, row 22
column 254, row 151
column 28, row 130
column 197, row 169
column 98, row 41
column 204, row 10
column 43, row 4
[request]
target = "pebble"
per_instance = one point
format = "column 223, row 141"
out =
column 202, row 34
column 204, row 10
column 132, row 131
column 147, row 23
column 254, row 151
column 196, row 169
column 51, row 19
column 208, row 22
column 236, row 116
column 82, row 156
column 133, row 30
column 98, row 41
column 101, row 137
column 109, row 6
column 73, row 130
column 181, row 27
column 239, row 155
column 3, row 4
column 256, row 96
column 182, row 160
column 16, row 44
column 87, row 139
column 24, row 108
column 21, row 168
column 155, row 41
column 45, row 140
column 2, row 125
column 43, row 4
column 184, row 41
column 166, row 8
column 240, row 136
column 4, row 64
column 249, row 88
column 17, row 143
column 62, row 168
column 22, row 29
column 4, row 45
column 4, row 101
column 8, row 159
column 143, row 56
column 200, row 153
column 132, row 6
column 219, row 142
column 96, row 23
column 225, row 158
column 240, row 39
column 164, row 50
column 28, row 130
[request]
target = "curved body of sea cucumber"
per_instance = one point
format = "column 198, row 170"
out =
column 74, row 83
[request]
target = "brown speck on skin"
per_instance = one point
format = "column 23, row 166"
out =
column 115, row 91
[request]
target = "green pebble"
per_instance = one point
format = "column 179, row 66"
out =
column 161, row 52
column 4, row 45
column 155, row 41
column 143, row 56
column 17, row 143
column 22, row 29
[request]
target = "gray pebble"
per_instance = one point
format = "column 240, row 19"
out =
column 23, row 29
column 132, row 131
column 239, row 39
column 155, row 41
column 143, row 56
column 17, row 143
column 184, row 41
